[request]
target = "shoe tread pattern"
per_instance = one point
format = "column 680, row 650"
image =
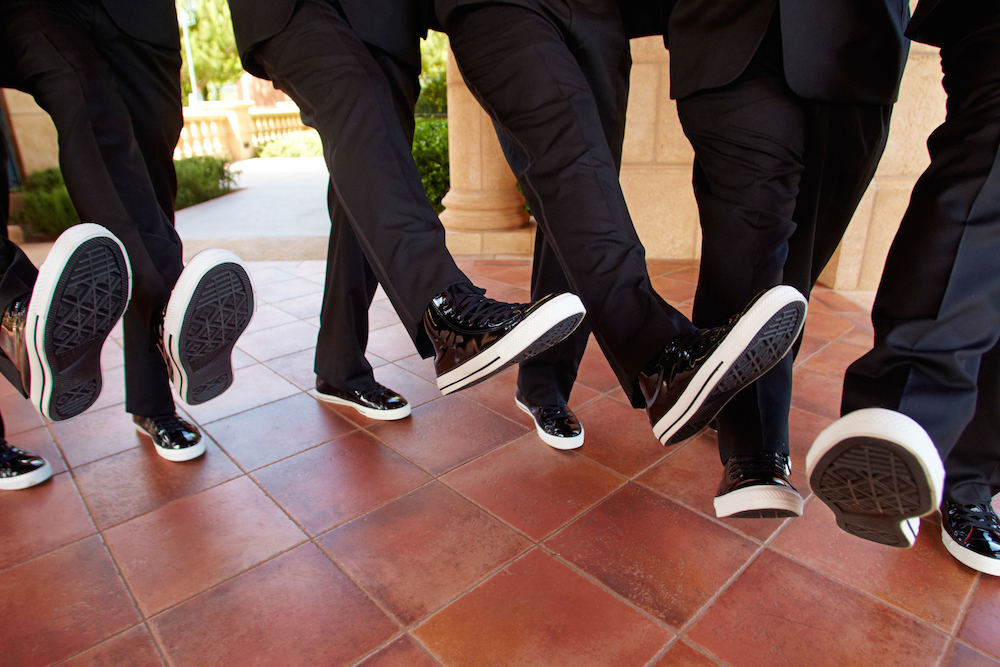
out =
column 219, row 311
column 872, row 486
column 88, row 300
column 765, row 349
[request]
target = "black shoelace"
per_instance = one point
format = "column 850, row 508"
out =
column 979, row 516
column 477, row 309
column 758, row 464
column 170, row 423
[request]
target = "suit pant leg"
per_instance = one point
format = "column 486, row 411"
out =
column 350, row 281
column 749, row 141
column 518, row 64
column 322, row 64
column 937, row 310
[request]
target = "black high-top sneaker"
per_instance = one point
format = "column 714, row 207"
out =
column 475, row 337
column 694, row 377
column 20, row 469
column 971, row 533
column 209, row 308
column 54, row 335
column 756, row 486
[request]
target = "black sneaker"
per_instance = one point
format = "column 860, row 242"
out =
column 375, row 402
column 971, row 533
column 756, row 486
column 475, row 337
column 556, row 425
column 20, row 469
column 54, row 335
column 176, row 439
column 879, row 472
column 209, row 308
column 694, row 377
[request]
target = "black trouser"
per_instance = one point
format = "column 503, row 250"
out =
column 525, row 68
column 350, row 280
column 937, row 311
column 777, row 179
column 341, row 90
column 116, row 104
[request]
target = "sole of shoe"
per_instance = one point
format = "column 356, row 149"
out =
column 553, row 441
column 548, row 325
column 879, row 472
column 761, row 337
column 210, row 307
column 371, row 413
column 976, row 561
column 26, row 480
column 759, row 502
column 175, row 455
column 82, row 289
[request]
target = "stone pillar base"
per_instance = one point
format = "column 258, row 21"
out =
column 520, row 241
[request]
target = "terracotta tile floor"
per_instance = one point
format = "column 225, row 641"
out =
column 309, row 535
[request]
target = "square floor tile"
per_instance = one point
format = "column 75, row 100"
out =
column 965, row 656
column 297, row 368
column 833, row 359
column 401, row 653
column 924, row 580
column 447, row 432
column 391, row 343
column 278, row 341
column 672, row 290
column 539, row 612
column 180, row 550
column 39, row 441
column 827, row 325
column 803, row 427
column 277, row 430
column 39, row 519
column 96, row 434
column 532, row 486
column 682, row 654
column 982, row 622
column 420, row 366
column 619, row 437
column 253, row 387
column 62, row 603
column 691, row 476
column 817, row 393
column 420, row 551
column 18, row 414
column 330, row 484
column 302, row 307
column 637, row 542
column 781, row 613
column 123, row 486
column 132, row 648
column 277, row 291
column 595, row 371
column 267, row 316
column 297, row 609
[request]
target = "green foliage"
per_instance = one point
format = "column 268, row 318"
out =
column 430, row 152
column 213, row 46
column 48, row 209
column 433, row 98
column 303, row 144
column 202, row 178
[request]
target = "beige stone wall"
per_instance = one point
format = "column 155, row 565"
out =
column 34, row 134
column 656, row 167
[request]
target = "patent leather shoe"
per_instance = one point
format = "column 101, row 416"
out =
column 210, row 307
column 475, row 337
column 375, row 401
column 756, row 486
column 175, row 439
column 696, row 374
column 879, row 472
column 20, row 469
column 971, row 533
column 54, row 335
column 556, row 425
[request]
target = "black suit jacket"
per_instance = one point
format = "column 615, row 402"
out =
column 394, row 26
column 640, row 17
column 154, row 22
column 850, row 51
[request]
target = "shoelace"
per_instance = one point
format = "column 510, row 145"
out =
column 169, row 423
column 682, row 347
column 755, row 464
column 9, row 454
column 475, row 308
column 549, row 416
column 373, row 392
column 983, row 517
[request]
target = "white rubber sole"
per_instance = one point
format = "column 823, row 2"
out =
column 553, row 441
column 62, row 393
column 879, row 472
column 976, row 561
column 758, row 499
column 209, row 309
column 782, row 309
column 548, row 325
column 175, row 455
column 371, row 413
column 26, row 480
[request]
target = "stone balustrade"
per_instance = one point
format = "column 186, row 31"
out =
column 234, row 130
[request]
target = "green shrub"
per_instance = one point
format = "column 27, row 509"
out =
column 433, row 100
column 202, row 178
column 303, row 144
column 430, row 152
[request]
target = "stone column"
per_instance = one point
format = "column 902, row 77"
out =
column 484, row 212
